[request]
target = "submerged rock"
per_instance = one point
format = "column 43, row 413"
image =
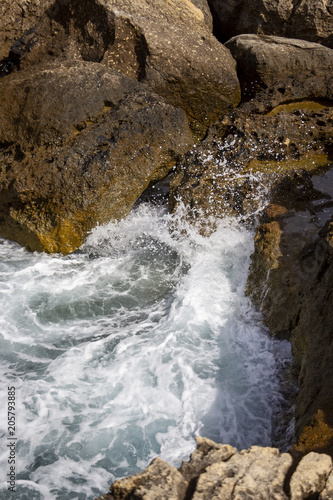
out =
column 79, row 144
column 310, row 20
column 217, row 471
column 167, row 45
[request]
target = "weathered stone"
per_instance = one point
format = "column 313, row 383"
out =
column 264, row 60
column 79, row 144
column 257, row 473
column 310, row 20
column 327, row 493
column 206, row 453
column 159, row 481
column 290, row 281
column 218, row 472
column 167, row 45
column 310, row 476
column 17, row 17
column 247, row 153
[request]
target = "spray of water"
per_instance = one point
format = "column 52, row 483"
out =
column 129, row 348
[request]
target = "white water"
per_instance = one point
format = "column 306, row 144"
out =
column 126, row 350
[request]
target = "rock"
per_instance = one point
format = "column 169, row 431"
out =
column 218, row 472
column 16, row 18
column 159, row 481
column 310, row 476
column 290, row 281
column 206, row 453
column 249, row 151
column 79, row 144
column 310, row 20
column 327, row 493
column 167, row 45
column 254, row 473
column 264, row 60
column 205, row 9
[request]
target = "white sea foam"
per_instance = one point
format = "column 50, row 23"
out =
column 127, row 349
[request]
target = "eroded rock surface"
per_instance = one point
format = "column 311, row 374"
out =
column 218, row 472
column 251, row 149
column 310, row 476
column 264, row 60
column 290, row 281
column 310, row 20
column 167, row 45
column 159, row 480
column 79, row 144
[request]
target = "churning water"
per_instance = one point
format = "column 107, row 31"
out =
column 127, row 349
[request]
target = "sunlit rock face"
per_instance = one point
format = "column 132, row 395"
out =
column 79, row 144
column 263, row 60
column 308, row 19
column 217, row 471
column 167, row 45
column 81, row 138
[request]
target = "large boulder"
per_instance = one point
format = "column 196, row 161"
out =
column 264, row 60
column 310, row 20
column 167, row 45
column 79, row 144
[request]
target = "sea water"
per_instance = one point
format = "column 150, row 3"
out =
column 129, row 348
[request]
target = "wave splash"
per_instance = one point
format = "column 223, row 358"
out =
column 128, row 348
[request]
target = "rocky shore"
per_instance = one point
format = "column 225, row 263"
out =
column 100, row 99
column 217, row 471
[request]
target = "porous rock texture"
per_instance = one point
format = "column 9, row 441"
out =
column 167, row 45
column 263, row 60
column 252, row 148
column 310, row 20
column 219, row 472
column 290, row 281
column 79, row 143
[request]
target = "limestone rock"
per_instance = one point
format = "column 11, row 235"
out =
column 206, row 453
column 218, row 472
column 167, row 45
column 264, row 60
column 310, row 20
column 79, row 144
column 327, row 493
column 160, row 481
column 257, row 473
column 310, row 476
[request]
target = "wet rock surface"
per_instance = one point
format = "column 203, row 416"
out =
column 79, row 144
column 290, row 281
column 250, row 150
column 310, row 20
column 81, row 138
column 217, row 471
